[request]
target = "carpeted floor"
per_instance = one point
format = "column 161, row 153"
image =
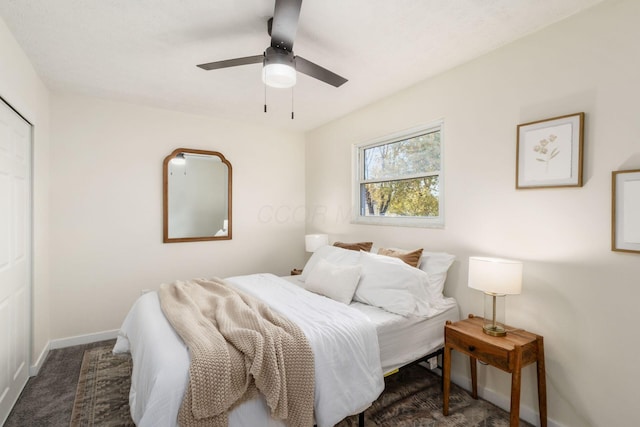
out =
column 47, row 399
column 412, row 398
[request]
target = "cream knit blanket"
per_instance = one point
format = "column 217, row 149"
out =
column 238, row 346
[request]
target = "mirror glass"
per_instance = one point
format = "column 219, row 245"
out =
column 197, row 196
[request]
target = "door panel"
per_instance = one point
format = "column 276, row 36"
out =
column 15, row 255
column 5, row 350
column 5, row 220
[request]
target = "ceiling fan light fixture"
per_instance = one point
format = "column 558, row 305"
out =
column 278, row 69
column 280, row 76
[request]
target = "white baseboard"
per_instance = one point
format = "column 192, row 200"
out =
column 35, row 368
column 83, row 339
column 68, row 342
column 527, row 413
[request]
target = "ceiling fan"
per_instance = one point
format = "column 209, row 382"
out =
column 279, row 64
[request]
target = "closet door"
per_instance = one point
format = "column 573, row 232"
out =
column 15, row 256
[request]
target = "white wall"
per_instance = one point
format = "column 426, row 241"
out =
column 106, row 221
column 106, row 204
column 577, row 293
column 21, row 87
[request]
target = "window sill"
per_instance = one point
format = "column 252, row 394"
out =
column 400, row 221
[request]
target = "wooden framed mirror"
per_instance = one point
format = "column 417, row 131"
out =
column 196, row 196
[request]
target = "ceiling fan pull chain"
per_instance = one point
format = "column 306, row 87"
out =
column 291, row 102
column 265, row 90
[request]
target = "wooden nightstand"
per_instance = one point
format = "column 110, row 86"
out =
column 510, row 353
column 296, row 272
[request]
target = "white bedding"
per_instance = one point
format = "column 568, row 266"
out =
column 344, row 342
column 403, row 340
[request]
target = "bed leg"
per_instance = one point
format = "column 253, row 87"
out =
column 361, row 419
column 440, row 356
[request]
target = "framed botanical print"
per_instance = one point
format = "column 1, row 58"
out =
column 549, row 152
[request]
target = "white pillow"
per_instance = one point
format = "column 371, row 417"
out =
column 336, row 282
column 393, row 285
column 332, row 254
column 436, row 265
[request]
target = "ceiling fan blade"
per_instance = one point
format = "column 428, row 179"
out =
column 285, row 24
column 318, row 72
column 232, row 62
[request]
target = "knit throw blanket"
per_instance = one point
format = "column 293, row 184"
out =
column 238, row 346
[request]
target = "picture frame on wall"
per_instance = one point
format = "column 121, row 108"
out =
column 625, row 211
column 549, row 152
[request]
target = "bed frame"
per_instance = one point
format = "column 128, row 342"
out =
column 438, row 354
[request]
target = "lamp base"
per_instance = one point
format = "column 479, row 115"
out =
column 494, row 315
column 494, row 330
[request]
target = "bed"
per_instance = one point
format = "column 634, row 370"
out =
column 354, row 343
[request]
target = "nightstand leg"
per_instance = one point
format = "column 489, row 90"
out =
column 446, row 379
column 542, row 384
column 474, row 377
column 516, row 376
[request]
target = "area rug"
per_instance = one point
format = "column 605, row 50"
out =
column 412, row 398
column 102, row 395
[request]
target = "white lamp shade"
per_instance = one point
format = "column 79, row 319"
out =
column 314, row 241
column 279, row 75
column 495, row 275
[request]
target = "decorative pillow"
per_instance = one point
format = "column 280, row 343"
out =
column 436, row 265
column 336, row 282
column 360, row 246
column 393, row 285
column 410, row 257
column 333, row 255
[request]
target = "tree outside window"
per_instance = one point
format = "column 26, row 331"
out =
column 401, row 178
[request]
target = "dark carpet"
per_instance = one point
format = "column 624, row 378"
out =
column 412, row 398
column 47, row 399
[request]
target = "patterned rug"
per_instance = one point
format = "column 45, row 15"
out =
column 102, row 395
column 412, row 398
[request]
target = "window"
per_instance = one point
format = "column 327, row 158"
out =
column 399, row 179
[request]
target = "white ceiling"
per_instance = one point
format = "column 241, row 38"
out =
column 146, row 51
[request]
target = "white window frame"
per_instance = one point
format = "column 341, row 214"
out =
column 358, row 174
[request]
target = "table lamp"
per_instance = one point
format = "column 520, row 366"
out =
column 496, row 277
column 314, row 241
